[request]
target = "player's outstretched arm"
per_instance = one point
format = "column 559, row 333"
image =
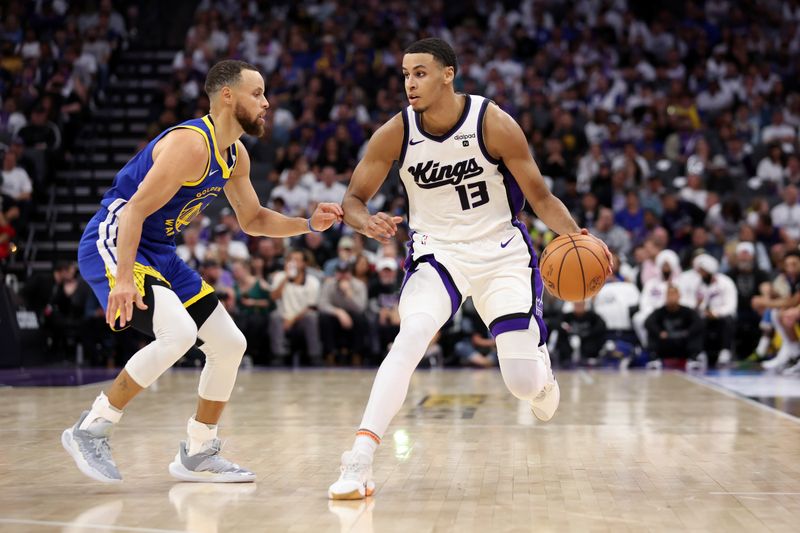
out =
column 260, row 221
column 505, row 140
column 180, row 156
column 383, row 149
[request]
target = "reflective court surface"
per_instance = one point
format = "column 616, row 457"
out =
column 625, row 452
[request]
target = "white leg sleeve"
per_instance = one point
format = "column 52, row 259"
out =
column 523, row 363
column 175, row 333
column 424, row 306
column 391, row 382
column 224, row 345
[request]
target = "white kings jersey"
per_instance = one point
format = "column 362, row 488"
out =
column 456, row 190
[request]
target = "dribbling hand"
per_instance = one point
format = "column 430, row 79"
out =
column 325, row 216
column 610, row 257
column 121, row 298
column 381, row 227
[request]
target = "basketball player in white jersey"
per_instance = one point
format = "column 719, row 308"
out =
column 467, row 169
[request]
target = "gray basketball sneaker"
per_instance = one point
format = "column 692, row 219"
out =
column 91, row 451
column 208, row 466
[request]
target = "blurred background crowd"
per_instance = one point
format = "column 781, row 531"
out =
column 669, row 129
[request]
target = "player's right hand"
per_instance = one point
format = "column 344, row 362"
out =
column 121, row 298
column 381, row 227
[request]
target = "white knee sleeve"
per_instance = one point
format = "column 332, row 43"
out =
column 175, row 333
column 523, row 363
column 391, row 382
column 524, row 378
column 224, row 345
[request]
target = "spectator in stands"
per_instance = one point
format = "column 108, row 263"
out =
column 271, row 254
column 581, row 333
column 192, row 251
column 343, row 321
column 778, row 131
column 701, row 243
column 654, row 291
column 295, row 197
column 384, row 301
column 228, row 218
column 7, row 234
column 328, row 189
column 64, row 312
column 477, row 347
column 616, row 303
column 674, row 331
column 225, row 249
column 631, row 218
column 714, row 297
column 345, row 251
column 297, row 296
column 253, row 307
column 786, row 215
column 11, row 120
column 615, row 237
column 750, row 282
column 770, row 169
column 15, row 184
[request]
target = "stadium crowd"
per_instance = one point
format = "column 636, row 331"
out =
column 670, row 130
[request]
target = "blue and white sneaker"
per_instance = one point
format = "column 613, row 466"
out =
column 208, row 466
column 91, row 450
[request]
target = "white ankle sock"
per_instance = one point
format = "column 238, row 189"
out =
column 366, row 442
column 199, row 434
column 101, row 408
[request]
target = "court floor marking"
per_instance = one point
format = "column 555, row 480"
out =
column 105, row 527
column 731, row 394
column 756, row 493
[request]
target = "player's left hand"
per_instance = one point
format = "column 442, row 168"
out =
column 325, row 216
column 610, row 257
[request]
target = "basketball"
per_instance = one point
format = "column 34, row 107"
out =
column 574, row 267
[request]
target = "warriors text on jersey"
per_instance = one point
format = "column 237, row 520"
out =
column 456, row 190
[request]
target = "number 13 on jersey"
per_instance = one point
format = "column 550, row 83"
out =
column 472, row 194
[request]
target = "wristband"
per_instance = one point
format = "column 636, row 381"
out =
column 312, row 230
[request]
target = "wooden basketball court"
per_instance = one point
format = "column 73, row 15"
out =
column 625, row 452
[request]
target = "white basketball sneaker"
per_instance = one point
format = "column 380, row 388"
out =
column 355, row 481
column 546, row 402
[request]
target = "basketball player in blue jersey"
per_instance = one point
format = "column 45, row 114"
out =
column 467, row 170
column 127, row 255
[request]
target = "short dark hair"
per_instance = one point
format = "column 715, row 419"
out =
column 226, row 72
column 792, row 253
column 438, row 48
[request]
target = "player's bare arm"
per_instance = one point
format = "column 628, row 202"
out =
column 383, row 149
column 506, row 141
column 180, row 156
column 260, row 221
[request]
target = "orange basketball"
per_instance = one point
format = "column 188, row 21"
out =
column 574, row 267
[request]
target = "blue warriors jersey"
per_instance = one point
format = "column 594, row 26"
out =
column 155, row 256
column 192, row 198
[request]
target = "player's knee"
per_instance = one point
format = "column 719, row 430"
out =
column 524, row 378
column 235, row 345
column 181, row 335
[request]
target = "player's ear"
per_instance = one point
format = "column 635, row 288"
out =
column 226, row 94
column 449, row 74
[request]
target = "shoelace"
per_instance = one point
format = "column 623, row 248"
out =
column 102, row 449
column 353, row 470
column 547, row 388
